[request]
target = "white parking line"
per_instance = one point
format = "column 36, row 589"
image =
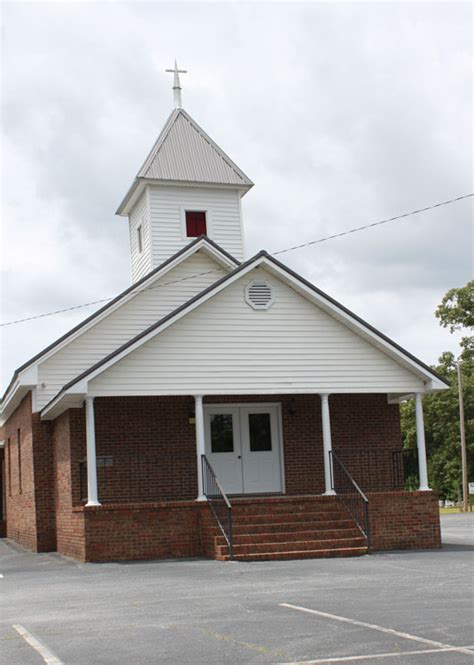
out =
column 372, row 656
column 382, row 629
column 44, row 652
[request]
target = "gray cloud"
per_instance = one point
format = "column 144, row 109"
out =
column 342, row 114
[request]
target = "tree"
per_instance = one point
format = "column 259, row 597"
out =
column 456, row 310
column 441, row 409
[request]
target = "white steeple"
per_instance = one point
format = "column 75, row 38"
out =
column 186, row 187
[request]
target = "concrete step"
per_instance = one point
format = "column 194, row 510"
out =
column 298, row 554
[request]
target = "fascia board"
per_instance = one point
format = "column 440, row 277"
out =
column 217, row 256
column 15, row 399
column 27, row 380
column 131, row 197
column 79, row 388
column 140, row 183
column 195, row 183
column 395, row 398
column 6, row 404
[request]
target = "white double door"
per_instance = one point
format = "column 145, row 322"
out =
column 243, row 447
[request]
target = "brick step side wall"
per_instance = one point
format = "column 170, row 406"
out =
column 399, row 520
column 404, row 520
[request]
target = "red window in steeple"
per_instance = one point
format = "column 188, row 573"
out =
column 195, row 223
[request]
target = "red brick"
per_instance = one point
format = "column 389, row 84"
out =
column 152, row 444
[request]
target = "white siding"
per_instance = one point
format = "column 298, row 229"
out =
column 123, row 324
column 141, row 262
column 167, row 205
column 225, row 346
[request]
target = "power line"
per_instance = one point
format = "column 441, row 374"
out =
column 281, row 251
column 369, row 226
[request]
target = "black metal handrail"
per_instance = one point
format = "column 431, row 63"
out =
column 218, row 501
column 349, row 492
column 380, row 469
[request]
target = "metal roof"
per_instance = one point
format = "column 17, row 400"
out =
column 184, row 152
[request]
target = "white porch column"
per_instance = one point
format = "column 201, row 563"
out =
column 327, row 443
column 420, row 442
column 92, row 494
column 200, row 443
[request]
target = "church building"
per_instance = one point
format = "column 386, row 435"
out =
column 221, row 406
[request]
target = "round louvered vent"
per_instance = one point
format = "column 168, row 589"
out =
column 259, row 294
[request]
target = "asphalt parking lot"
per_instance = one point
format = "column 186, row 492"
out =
column 397, row 608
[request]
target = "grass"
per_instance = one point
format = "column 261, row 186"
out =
column 453, row 510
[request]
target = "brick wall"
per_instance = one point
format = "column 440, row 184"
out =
column 150, row 443
column 142, row 531
column 358, row 422
column 20, row 497
column 43, row 484
column 404, row 520
column 152, row 446
column 398, row 520
column 3, row 522
column 68, row 444
column 365, row 430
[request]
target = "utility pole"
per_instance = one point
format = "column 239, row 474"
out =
column 465, row 489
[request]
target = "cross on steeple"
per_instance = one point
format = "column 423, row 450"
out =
column 176, row 84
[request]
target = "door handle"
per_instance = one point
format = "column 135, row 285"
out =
column 239, row 456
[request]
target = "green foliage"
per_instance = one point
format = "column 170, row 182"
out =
column 456, row 310
column 441, row 409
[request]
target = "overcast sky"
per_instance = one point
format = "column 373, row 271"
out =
column 342, row 114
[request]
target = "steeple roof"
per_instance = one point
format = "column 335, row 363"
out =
column 183, row 152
